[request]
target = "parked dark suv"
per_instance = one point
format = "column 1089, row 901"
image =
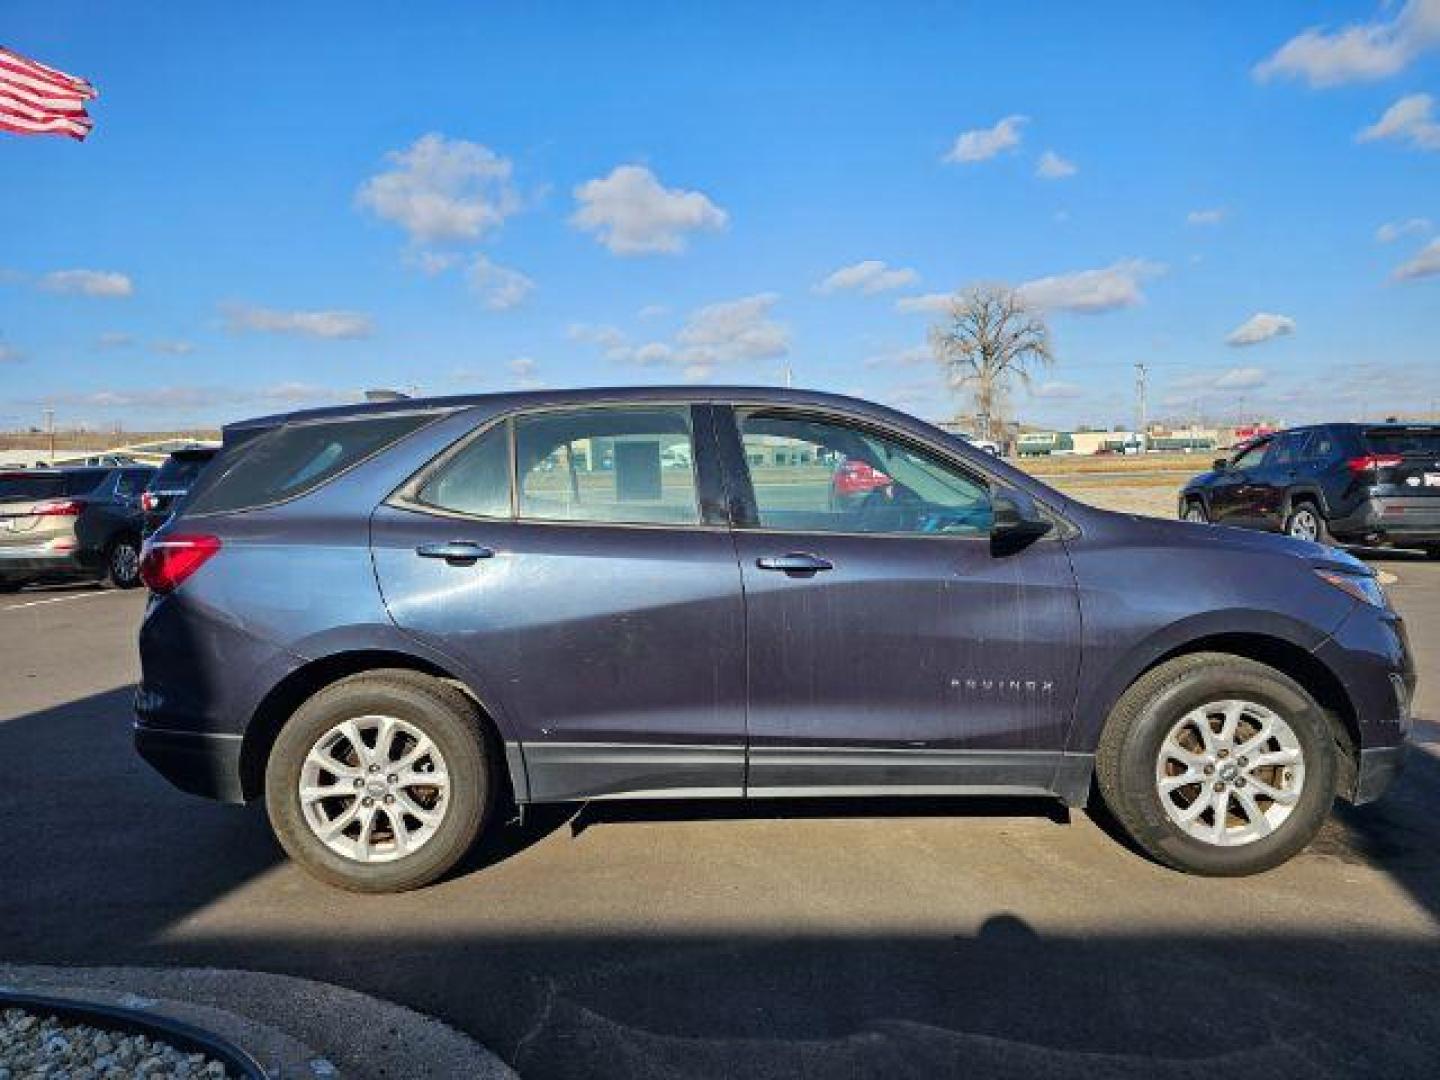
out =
column 1375, row 484
column 69, row 524
column 170, row 483
column 391, row 620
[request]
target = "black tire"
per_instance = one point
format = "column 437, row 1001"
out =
column 1125, row 763
column 122, row 563
column 446, row 716
column 1193, row 507
column 1307, row 511
column 11, row 586
column 1433, row 552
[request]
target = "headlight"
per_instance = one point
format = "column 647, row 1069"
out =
column 1361, row 586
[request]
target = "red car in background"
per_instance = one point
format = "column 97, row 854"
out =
column 853, row 480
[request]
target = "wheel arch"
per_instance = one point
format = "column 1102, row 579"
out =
column 1289, row 659
column 302, row 683
column 1306, row 493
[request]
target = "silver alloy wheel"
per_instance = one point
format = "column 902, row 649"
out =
column 1195, row 512
column 1230, row 772
column 1304, row 525
column 124, row 562
column 374, row 789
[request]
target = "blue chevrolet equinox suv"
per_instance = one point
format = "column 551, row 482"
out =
column 393, row 620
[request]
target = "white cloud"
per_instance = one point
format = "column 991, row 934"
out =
column 1426, row 263
column 115, row 339
column 433, row 263
column 632, row 214
column 525, row 373
column 602, row 334
column 654, row 311
column 734, row 330
column 1394, row 230
column 1212, row 216
column 1262, row 326
column 9, row 354
column 981, row 144
column 192, row 397
column 240, row 318
column 1091, row 291
column 173, row 347
column 1245, row 378
column 88, row 283
column 925, row 303
column 442, row 189
column 1360, row 52
column 731, row 332
column 499, row 286
column 1411, row 120
column 870, row 276
column 1057, row 391
column 915, row 356
column 1054, row 167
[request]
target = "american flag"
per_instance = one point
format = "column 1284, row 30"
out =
column 38, row 100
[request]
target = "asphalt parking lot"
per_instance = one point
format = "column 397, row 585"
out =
column 981, row 937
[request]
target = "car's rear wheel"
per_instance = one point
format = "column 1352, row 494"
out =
column 1433, row 551
column 1217, row 765
column 122, row 563
column 380, row 782
column 1195, row 511
column 1305, row 522
column 11, row 585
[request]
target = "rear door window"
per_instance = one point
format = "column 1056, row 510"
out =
column 622, row 465
column 291, row 460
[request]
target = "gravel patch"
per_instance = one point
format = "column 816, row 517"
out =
column 35, row 1045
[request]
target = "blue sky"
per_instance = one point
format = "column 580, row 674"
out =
column 284, row 204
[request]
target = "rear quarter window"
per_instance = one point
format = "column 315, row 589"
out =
column 289, row 461
column 178, row 473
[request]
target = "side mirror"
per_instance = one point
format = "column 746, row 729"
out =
column 1220, row 464
column 1015, row 520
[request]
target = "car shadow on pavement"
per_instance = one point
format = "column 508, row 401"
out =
column 105, row 864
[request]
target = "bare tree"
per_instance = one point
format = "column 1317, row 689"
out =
column 990, row 336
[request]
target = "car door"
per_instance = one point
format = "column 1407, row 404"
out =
column 1232, row 493
column 889, row 649
column 1271, row 483
column 563, row 559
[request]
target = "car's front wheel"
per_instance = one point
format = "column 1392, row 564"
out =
column 380, row 782
column 1218, row 765
column 1195, row 511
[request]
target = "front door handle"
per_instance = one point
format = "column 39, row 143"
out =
column 796, row 562
column 455, row 552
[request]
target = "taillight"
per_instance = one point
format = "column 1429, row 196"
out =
column 58, row 508
column 149, row 502
column 167, row 562
column 1371, row 462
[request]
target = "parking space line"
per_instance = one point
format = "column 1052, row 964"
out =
column 60, row 599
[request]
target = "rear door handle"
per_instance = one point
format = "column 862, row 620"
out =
column 796, row 562
column 456, row 552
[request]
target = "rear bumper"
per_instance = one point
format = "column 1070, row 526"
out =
column 1393, row 519
column 40, row 561
column 197, row 763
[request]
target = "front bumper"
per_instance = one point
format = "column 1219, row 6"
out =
column 198, row 763
column 1377, row 770
column 1392, row 519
